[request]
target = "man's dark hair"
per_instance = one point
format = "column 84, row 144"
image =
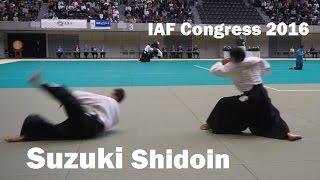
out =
column 155, row 45
column 301, row 46
column 120, row 93
column 237, row 54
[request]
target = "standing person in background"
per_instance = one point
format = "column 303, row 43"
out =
column 76, row 52
column 196, row 52
column 102, row 52
column 299, row 59
column 38, row 50
column 59, row 52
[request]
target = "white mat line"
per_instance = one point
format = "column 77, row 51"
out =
column 293, row 90
column 7, row 61
column 200, row 67
column 268, row 87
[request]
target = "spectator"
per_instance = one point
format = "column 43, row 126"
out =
column 94, row 52
column 196, row 52
column 17, row 10
column 89, row 9
column 158, row 11
column 165, row 52
column 189, row 52
column 102, row 52
column 76, row 52
column 38, row 49
column 86, row 51
column 59, row 52
column 179, row 52
column 172, row 52
column 289, row 11
column 313, row 52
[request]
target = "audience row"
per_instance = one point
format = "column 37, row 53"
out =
column 17, row 10
column 289, row 11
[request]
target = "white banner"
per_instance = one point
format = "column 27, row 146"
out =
column 64, row 23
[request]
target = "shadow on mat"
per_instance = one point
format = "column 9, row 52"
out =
column 107, row 134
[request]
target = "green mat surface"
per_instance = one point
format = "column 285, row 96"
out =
column 132, row 73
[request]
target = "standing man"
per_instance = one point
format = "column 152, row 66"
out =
column 299, row 59
column 88, row 115
column 253, row 109
column 38, row 49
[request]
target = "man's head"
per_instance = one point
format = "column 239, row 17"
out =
column 237, row 54
column 118, row 94
column 301, row 46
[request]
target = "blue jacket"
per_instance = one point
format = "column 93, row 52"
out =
column 299, row 55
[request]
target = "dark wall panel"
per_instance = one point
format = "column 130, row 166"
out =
column 34, row 45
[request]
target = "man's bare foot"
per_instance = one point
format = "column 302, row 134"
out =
column 14, row 138
column 35, row 79
column 204, row 127
column 293, row 137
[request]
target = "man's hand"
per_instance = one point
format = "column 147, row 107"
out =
column 225, row 61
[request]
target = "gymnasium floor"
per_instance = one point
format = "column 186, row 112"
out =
column 165, row 102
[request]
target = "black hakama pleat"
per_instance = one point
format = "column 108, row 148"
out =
column 146, row 57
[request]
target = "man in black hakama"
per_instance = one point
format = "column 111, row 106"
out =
column 253, row 109
column 151, row 51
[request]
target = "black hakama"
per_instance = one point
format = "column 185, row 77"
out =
column 79, row 125
column 147, row 56
column 252, row 110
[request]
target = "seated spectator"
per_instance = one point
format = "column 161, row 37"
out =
column 76, row 52
column 93, row 9
column 59, row 52
column 165, row 52
column 86, row 51
column 196, row 52
column 94, row 52
column 172, row 52
column 179, row 52
column 313, row 53
column 158, row 11
column 189, row 52
column 102, row 52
